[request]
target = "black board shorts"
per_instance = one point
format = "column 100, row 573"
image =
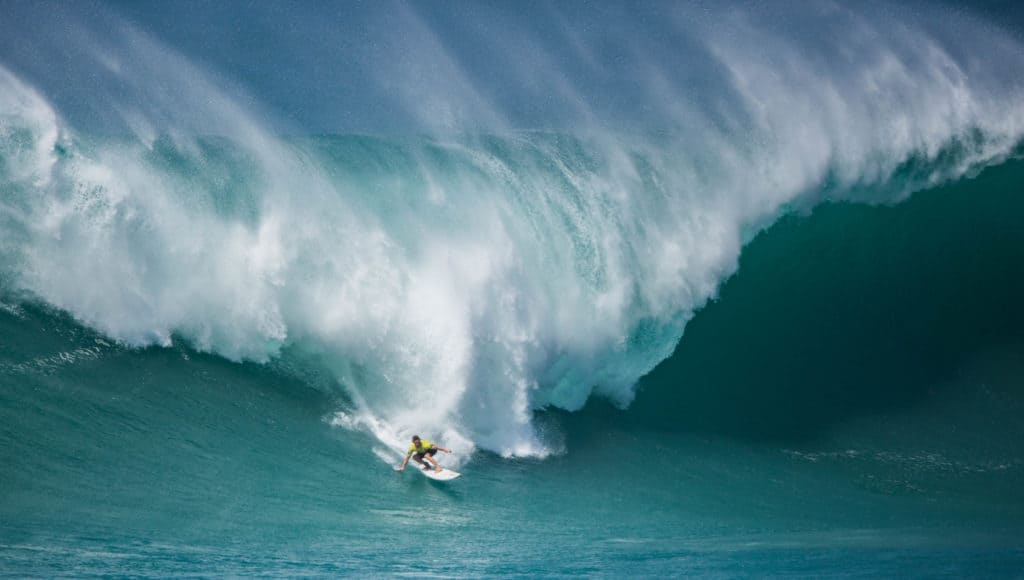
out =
column 431, row 452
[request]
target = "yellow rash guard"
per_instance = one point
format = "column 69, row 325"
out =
column 424, row 446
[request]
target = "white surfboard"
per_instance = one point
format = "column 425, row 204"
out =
column 444, row 475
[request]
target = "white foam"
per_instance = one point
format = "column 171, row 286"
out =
column 25, row 112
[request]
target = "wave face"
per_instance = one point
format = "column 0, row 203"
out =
column 899, row 324
column 489, row 256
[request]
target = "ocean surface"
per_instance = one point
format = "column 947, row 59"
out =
column 689, row 290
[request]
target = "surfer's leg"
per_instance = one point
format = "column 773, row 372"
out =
column 430, row 456
column 419, row 459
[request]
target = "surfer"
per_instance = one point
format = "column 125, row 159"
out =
column 422, row 451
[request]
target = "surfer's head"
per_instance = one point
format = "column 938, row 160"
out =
column 415, row 438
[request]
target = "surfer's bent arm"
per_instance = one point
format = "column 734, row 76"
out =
column 442, row 449
column 407, row 456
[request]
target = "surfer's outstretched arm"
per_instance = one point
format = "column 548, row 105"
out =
column 402, row 466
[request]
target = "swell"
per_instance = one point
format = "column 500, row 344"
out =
column 104, row 440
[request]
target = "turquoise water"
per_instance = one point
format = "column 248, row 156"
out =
column 724, row 290
column 164, row 460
